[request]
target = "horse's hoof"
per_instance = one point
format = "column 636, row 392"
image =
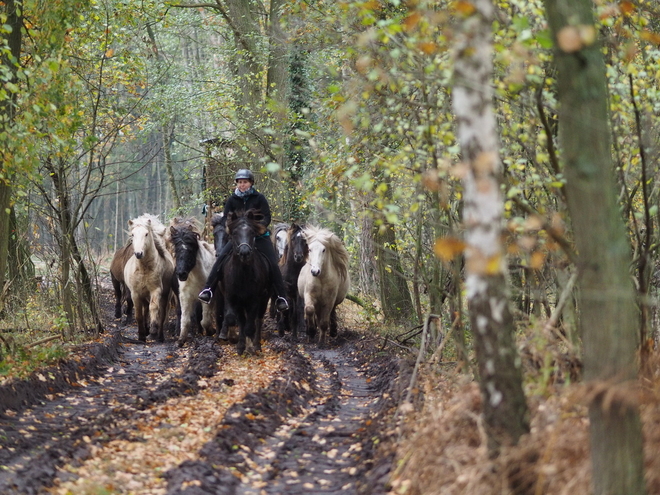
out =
column 240, row 350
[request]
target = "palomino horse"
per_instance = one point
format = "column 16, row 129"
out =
column 122, row 294
column 323, row 282
column 148, row 275
column 294, row 258
column 246, row 281
column 194, row 259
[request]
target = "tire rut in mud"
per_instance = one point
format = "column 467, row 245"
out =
column 315, row 430
column 93, row 404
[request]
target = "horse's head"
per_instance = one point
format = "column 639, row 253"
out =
column 243, row 228
column 186, row 247
column 316, row 257
column 147, row 235
column 219, row 224
column 281, row 237
column 297, row 243
column 140, row 233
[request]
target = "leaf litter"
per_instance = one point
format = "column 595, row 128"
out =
column 156, row 419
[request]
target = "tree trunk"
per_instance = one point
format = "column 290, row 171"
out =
column 168, row 137
column 394, row 293
column 500, row 376
column 14, row 18
column 608, row 317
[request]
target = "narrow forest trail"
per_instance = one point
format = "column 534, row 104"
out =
column 159, row 419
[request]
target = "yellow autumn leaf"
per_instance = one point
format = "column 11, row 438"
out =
column 411, row 21
column 627, row 8
column 536, row 260
column 464, row 7
column 494, row 265
column 651, row 37
column 109, row 53
column 428, row 47
column 447, row 248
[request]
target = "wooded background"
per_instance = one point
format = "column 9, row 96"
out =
column 418, row 131
column 113, row 109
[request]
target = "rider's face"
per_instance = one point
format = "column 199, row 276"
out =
column 243, row 184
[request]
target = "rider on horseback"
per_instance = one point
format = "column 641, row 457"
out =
column 244, row 198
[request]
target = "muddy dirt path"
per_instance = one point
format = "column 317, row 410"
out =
column 125, row 417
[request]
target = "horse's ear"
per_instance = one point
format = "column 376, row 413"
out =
column 197, row 235
column 172, row 230
column 130, row 223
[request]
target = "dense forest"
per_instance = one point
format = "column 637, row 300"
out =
column 491, row 167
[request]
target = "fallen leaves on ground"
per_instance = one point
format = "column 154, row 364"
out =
column 171, row 432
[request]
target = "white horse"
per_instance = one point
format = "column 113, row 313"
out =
column 148, row 275
column 323, row 282
column 280, row 238
column 194, row 260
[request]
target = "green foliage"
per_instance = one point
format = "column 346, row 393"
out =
column 31, row 338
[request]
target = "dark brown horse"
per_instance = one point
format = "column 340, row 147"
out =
column 122, row 294
column 293, row 259
column 246, row 281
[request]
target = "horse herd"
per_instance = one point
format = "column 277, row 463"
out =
column 163, row 265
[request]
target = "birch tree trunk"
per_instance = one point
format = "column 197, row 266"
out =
column 500, row 376
column 608, row 317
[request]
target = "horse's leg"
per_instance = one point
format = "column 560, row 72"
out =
column 228, row 320
column 186, row 316
column 140, row 317
column 298, row 323
column 129, row 303
column 273, row 310
column 179, row 313
column 163, row 312
column 155, row 329
column 310, row 316
column 242, row 323
column 117, row 286
column 256, row 341
column 333, row 322
column 207, row 317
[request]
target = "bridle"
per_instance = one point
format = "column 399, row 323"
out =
column 244, row 244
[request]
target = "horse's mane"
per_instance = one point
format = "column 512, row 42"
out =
column 152, row 223
column 218, row 219
column 291, row 230
column 190, row 224
column 252, row 216
column 332, row 243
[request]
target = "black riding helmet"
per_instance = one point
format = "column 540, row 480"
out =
column 244, row 173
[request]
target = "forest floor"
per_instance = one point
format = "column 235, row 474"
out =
column 126, row 417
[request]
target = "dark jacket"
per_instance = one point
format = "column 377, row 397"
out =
column 255, row 200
